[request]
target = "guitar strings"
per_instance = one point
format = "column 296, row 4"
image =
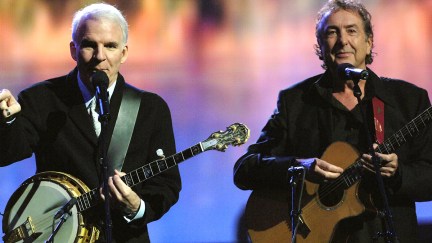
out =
column 327, row 189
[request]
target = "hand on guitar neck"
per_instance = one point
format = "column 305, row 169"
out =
column 389, row 163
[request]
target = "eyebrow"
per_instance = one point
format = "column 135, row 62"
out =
column 86, row 41
column 345, row 26
column 112, row 43
column 351, row 26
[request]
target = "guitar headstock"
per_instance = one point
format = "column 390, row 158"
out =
column 236, row 135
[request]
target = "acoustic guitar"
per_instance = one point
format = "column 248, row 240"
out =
column 30, row 212
column 323, row 205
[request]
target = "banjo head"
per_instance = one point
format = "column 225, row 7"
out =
column 29, row 214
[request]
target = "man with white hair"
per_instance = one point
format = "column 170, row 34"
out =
column 51, row 120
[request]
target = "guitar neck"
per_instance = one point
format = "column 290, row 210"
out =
column 353, row 173
column 91, row 198
column 410, row 130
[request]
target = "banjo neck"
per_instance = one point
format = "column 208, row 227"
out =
column 236, row 134
column 92, row 198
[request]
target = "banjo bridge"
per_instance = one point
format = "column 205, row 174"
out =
column 25, row 231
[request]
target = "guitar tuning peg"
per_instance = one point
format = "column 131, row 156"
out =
column 160, row 153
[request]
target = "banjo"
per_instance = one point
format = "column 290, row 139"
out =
column 31, row 212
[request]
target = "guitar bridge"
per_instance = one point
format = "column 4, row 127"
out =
column 22, row 232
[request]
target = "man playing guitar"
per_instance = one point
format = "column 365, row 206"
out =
column 321, row 115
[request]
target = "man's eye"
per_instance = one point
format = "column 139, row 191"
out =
column 330, row 32
column 352, row 31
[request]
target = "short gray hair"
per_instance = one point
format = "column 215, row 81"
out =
column 98, row 11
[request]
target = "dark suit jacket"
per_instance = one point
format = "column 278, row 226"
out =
column 55, row 126
column 301, row 128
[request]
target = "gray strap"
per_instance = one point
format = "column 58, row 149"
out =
column 123, row 128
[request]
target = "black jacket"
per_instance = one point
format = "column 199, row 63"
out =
column 55, row 126
column 301, row 128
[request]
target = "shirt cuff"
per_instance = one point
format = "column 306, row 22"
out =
column 138, row 215
column 10, row 121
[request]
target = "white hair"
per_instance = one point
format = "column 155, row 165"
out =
column 99, row 11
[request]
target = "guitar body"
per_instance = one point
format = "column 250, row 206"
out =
column 30, row 211
column 268, row 213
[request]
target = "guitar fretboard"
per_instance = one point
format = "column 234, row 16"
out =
column 91, row 198
column 410, row 130
column 353, row 173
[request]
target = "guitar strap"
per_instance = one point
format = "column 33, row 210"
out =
column 378, row 109
column 123, row 128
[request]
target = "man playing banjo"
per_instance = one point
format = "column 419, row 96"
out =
column 51, row 120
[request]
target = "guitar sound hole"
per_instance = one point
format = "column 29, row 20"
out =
column 330, row 196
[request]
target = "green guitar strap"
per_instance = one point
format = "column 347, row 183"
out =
column 123, row 128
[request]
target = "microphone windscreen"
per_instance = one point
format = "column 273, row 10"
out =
column 99, row 78
column 341, row 70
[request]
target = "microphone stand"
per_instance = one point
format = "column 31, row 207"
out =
column 389, row 235
column 295, row 208
column 63, row 219
column 104, row 117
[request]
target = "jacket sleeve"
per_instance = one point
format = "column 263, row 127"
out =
column 266, row 162
column 19, row 138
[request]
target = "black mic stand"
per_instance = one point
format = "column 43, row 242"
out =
column 295, row 207
column 104, row 117
column 63, row 219
column 389, row 235
column 63, row 214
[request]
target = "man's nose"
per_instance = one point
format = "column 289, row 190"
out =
column 100, row 53
column 343, row 38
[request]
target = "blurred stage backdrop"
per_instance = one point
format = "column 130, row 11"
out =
column 215, row 62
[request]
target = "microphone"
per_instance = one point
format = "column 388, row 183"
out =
column 66, row 208
column 100, row 81
column 347, row 71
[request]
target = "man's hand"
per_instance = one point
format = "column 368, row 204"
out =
column 9, row 106
column 121, row 195
column 389, row 163
column 319, row 170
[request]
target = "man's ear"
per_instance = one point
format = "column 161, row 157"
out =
column 369, row 45
column 125, row 53
column 73, row 49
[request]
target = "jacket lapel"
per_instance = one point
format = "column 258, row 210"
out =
column 77, row 110
column 325, row 115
